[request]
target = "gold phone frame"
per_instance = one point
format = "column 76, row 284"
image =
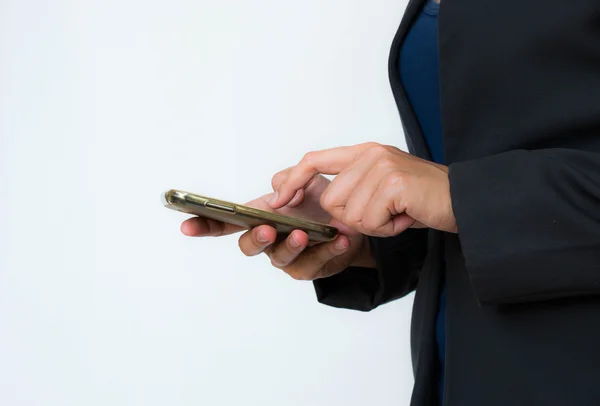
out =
column 244, row 216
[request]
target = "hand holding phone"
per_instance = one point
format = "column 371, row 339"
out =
column 246, row 216
column 294, row 255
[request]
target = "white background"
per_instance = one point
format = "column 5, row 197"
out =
column 105, row 104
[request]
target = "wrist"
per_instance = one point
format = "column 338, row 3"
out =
column 364, row 257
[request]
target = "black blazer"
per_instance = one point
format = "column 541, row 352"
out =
column 520, row 95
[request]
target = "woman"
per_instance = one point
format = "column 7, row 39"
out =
column 494, row 218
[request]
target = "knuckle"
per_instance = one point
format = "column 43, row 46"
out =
column 394, row 180
column 328, row 254
column 351, row 218
column 327, row 201
column 276, row 180
column 386, row 161
column 298, row 274
column 377, row 149
column 280, row 177
column 308, row 158
column 275, row 261
column 242, row 247
column 370, row 224
column 370, row 144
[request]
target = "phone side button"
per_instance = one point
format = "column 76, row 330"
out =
column 220, row 207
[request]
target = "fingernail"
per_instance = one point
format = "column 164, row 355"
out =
column 274, row 198
column 294, row 243
column 261, row 238
column 341, row 245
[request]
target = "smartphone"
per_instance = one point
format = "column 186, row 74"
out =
column 244, row 216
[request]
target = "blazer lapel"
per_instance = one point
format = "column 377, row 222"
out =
column 414, row 136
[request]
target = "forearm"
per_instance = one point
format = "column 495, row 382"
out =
column 528, row 224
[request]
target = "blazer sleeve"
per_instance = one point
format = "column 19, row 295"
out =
column 398, row 260
column 529, row 224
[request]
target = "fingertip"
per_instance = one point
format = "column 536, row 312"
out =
column 255, row 241
column 298, row 199
column 299, row 237
column 273, row 200
column 265, row 235
column 401, row 222
column 342, row 243
column 187, row 228
column 279, row 199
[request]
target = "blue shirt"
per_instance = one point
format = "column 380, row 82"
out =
column 419, row 73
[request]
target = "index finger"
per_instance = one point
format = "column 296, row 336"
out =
column 205, row 227
column 327, row 162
